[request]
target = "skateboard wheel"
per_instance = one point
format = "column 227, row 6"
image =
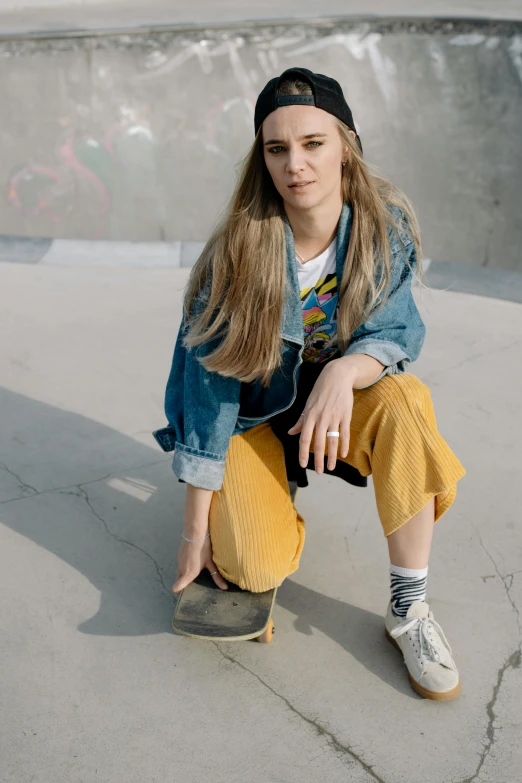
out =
column 266, row 636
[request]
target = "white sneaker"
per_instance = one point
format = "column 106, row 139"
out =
column 426, row 652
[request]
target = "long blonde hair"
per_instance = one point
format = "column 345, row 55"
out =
column 241, row 272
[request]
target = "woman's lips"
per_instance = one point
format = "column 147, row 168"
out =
column 298, row 188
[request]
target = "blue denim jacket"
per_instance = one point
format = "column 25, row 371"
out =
column 204, row 409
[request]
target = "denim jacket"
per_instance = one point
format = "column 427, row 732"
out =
column 205, row 409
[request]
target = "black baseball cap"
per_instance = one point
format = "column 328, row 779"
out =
column 327, row 95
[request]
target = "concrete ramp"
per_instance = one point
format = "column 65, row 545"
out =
column 137, row 136
column 53, row 16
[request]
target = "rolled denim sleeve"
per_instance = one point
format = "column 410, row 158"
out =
column 201, row 408
column 395, row 335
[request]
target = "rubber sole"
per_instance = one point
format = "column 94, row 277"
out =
column 417, row 687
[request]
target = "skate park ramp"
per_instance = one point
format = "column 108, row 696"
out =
column 137, row 136
column 61, row 16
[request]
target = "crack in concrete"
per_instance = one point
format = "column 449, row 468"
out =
column 83, row 494
column 32, row 490
column 503, row 578
column 513, row 661
column 84, row 483
column 333, row 742
column 468, row 359
column 349, row 553
column 356, row 528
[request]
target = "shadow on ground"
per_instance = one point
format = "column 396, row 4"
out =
column 110, row 508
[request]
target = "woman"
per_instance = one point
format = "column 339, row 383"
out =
column 298, row 327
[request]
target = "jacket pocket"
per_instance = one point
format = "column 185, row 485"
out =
column 259, row 403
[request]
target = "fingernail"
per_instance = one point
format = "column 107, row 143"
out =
column 303, row 463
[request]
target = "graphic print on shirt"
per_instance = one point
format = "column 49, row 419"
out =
column 320, row 319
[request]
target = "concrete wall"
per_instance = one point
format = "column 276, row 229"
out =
column 30, row 15
column 137, row 137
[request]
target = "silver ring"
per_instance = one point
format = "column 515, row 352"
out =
column 333, row 434
column 301, row 414
column 212, row 573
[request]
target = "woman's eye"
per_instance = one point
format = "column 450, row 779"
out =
column 273, row 149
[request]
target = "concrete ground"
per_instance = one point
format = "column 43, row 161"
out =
column 96, row 687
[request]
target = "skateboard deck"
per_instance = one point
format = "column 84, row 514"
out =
column 204, row 611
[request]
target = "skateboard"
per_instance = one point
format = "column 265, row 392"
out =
column 204, row 611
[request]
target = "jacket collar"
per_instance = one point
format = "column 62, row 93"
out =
column 292, row 318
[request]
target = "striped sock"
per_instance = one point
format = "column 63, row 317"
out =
column 407, row 585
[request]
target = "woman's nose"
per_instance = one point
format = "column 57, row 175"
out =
column 295, row 161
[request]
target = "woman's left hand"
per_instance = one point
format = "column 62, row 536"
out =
column 329, row 407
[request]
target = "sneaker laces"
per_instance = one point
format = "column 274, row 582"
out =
column 430, row 637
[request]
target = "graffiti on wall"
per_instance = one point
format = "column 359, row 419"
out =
column 87, row 174
column 103, row 175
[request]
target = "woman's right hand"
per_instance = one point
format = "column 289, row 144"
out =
column 193, row 557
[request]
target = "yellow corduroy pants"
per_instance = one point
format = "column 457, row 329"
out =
column 256, row 532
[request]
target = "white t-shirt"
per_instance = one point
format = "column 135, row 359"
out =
column 318, row 287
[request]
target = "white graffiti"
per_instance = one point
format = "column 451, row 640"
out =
column 515, row 52
column 468, row 39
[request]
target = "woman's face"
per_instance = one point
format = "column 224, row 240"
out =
column 302, row 144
